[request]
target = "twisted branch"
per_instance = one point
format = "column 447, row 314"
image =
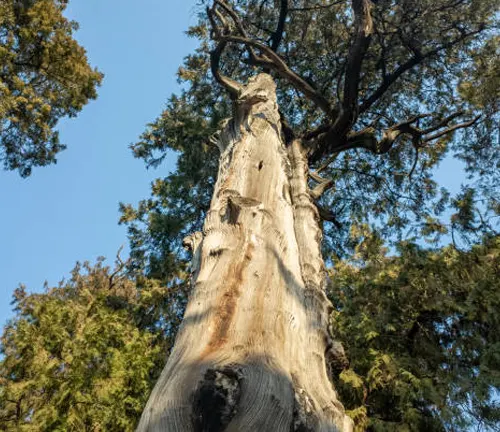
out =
column 267, row 58
column 367, row 138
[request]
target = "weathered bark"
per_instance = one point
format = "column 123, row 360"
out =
column 250, row 354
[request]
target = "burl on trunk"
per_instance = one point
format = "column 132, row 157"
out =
column 250, row 354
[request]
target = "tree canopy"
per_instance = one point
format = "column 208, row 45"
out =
column 421, row 332
column 44, row 76
column 379, row 112
column 84, row 355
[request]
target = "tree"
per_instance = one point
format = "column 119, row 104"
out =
column 421, row 330
column 44, row 76
column 84, row 355
column 371, row 97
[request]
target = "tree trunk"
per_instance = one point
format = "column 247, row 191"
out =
column 250, row 354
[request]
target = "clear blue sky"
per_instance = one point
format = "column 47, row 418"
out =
column 69, row 212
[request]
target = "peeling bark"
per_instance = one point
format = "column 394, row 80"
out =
column 250, row 354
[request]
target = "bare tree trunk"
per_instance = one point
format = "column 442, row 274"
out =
column 250, row 354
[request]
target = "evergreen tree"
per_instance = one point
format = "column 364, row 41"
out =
column 373, row 95
column 422, row 332
column 84, row 355
column 44, row 76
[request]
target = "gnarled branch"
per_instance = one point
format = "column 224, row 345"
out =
column 274, row 62
column 349, row 106
column 367, row 138
column 267, row 58
column 323, row 185
column 364, row 29
column 233, row 87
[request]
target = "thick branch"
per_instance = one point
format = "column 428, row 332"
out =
column 234, row 16
column 273, row 61
column 234, row 88
column 367, row 138
column 280, row 28
column 364, row 30
column 323, row 186
column 267, row 58
column 349, row 108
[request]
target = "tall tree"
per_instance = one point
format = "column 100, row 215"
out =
column 44, row 76
column 358, row 102
column 84, row 355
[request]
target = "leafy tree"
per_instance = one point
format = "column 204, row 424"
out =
column 85, row 354
column 423, row 63
column 374, row 93
column 421, row 330
column 44, row 76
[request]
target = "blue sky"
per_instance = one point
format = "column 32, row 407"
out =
column 69, row 212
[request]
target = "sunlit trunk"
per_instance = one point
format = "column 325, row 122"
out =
column 250, row 354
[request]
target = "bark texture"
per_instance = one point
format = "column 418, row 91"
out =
column 250, row 354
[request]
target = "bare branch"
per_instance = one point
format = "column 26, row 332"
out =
column 237, row 22
column 280, row 28
column 444, row 122
column 267, row 58
column 233, row 87
column 316, row 177
column 234, row 16
column 451, row 129
column 119, row 258
column 274, row 62
column 367, row 138
column 120, row 265
column 323, row 185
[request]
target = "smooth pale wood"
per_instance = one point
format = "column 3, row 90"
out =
column 250, row 353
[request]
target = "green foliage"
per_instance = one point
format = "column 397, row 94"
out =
column 420, row 327
column 85, row 355
column 44, row 76
column 396, row 190
column 422, row 333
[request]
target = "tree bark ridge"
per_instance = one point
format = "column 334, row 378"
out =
column 250, row 354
